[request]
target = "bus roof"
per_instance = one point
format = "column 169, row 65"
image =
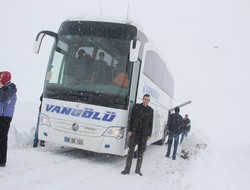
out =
column 107, row 19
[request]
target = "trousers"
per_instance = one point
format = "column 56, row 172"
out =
column 172, row 137
column 130, row 158
column 4, row 130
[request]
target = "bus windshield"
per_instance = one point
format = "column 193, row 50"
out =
column 89, row 63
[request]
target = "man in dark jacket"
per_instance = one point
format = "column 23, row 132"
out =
column 7, row 106
column 175, row 127
column 36, row 140
column 187, row 127
column 140, row 129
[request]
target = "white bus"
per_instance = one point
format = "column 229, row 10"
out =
column 85, row 105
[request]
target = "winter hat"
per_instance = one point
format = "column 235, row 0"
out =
column 6, row 77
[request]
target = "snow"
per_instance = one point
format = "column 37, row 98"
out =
column 211, row 164
column 206, row 46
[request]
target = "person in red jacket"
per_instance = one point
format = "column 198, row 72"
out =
column 7, row 106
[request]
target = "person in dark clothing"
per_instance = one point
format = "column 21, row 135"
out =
column 140, row 129
column 81, row 54
column 175, row 127
column 186, row 128
column 7, row 106
column 102, row 71
column 84, row 66
column 36, row 140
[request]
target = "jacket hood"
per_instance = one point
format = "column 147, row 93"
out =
column 6, row 77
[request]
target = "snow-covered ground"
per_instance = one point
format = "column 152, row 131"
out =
column 211, row 164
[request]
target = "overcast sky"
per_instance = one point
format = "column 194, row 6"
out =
column 206, row 45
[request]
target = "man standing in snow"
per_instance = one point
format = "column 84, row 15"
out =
column 175, row 127
column 7, row 107
column 187, row 127
column 36, row 140
column 140, row 129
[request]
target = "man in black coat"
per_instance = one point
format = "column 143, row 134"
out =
column 175, row 127
column 36, row 140
column 140, row 129
column 187, row 127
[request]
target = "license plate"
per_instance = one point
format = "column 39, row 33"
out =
column 73, row 140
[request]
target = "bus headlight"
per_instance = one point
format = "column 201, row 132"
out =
column 44, row 120
column 118, row 133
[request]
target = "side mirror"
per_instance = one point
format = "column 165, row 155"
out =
column 38, row 42
column 39, row 38
column 134, row 50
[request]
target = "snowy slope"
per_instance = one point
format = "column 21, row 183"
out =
column 209, row 166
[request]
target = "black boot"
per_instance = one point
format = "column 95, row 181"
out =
column 139, row 173
column 42, row 143
column 167, row 155
column 125, row 172
column 35, row 145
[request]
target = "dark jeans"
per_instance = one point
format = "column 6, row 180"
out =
column 4, row 129
column 184, row 134
column 172, row 137
column 36, row 140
